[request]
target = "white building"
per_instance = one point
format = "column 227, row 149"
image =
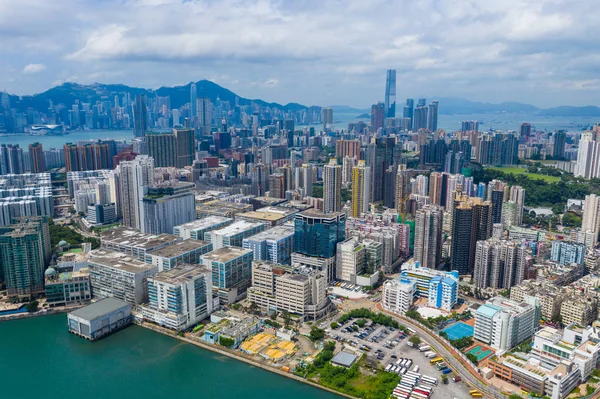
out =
column 503, row 324
column 195, row 229
column 399, row 294
column 180, row 298
column 590, row 224
column 233, row 235
column 274, row 245
column 350, row 260
column 167, row 205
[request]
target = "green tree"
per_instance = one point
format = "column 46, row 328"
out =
column 361, row 323
column 415, row 340
column 444, row 378
column 317, row 333
column 274, row 316
column 317, row 191
column 32, row 306
column 472, row 358
column 514, row 396
column 226, row 342
column 287, row 319
column 334, row 325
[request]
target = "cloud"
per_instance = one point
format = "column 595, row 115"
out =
column 316, row 51
column 31, row 69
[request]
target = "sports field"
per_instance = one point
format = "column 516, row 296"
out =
column 515, row 170
column 458, row 330
column 480, row 352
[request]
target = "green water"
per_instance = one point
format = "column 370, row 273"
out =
column 39, row 359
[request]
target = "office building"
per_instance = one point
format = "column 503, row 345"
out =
column 100, row 319
column 566, row 253
column 471, row 222
column 37, row 163
column 119, row 275
column 185, row 150
column 428, row 236
column 166, row 205
column 319, row 264
column 503, row 324
column 501, row 263
column 231, row 272
column 274, row 245
column 101, row 214
column 301, row 292
column 350, row 260
column 317, row 233
column 361, row 189
column 380, row 156
column 390, row 94
column 134, row 178
column 332, row 187
column 179, row 298
column 432, row 116
column 162, row 147
column 140, row 116
column 132, row 242
column 233, row 235
column 181, row 252
column 24, row 254
column 204, row 119
column 193, row 100
column 398, row 294
column 195, row 229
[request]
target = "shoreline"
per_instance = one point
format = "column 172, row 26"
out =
column 26, row 315
column 232, row 355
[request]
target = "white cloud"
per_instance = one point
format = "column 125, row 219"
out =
column 321, row 51
column 31, row 69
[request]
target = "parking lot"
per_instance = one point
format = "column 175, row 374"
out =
column 388, row 345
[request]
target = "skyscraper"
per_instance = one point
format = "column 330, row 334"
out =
column 204, row 120
column 471, row 222
column 432, row 116
column 162, row 147
column 517, row 194
column 428, row 236
column 409, row 111
column 390, row 94
column 11, row 159
column 361, row 189
column 403, row 188
column 525, row 130
column 591, row 218
column 501, row 264
column 36, row 158
column 185, row 147
column 332, row 187
column 317, row 233
column 560, row 138
column 380, row 154
column 193, row 98
column 420, row 118
column 377, row 116
column 134, row 178
column 327, row 118
column 140, row 116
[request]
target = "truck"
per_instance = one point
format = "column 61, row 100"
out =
column 446, row 371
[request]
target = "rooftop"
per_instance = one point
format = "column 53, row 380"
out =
column 206, row 222
column 130, row 237
column 226, row 254
column 274, row 233
column 315, row 213
column 99, row 308
column 236, row 228
column 488, row 310
column 179, row 248
column 118, row 260
column 344, row 359
column 270, row 214
column 180, row 274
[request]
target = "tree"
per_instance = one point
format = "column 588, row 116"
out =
column 226, row 342
column 334, row 325
column 81, row 214
column 287, row 319
column 274, row 316
column 32, row 306
column 514, row 396
column 361, row 323
column 444, row 378
column 472, row 358
column 415, row 340
column 317, row 333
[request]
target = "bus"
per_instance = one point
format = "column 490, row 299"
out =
column 429, row 380
column 436, row 360
column 416, row 369
column 477, row 395
column 410, row 330
column 388, row 367
column 425, row 389
column 419, row 395
column 473, row 392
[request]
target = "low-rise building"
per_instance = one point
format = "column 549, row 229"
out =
column 119, row 275
column 443, row 293
column 502, row 323
column 579, row 308
column 99, row 319
column 325, row 265
column 270, row 216
column 350, row 260
column 233, row 235
column 69, row 288
column 398, row 294
column 195, row 229
column 134, row 243
column 549, row 295
column 179, row 298
column 221, row 208
column 227, row 326
column 182, row 252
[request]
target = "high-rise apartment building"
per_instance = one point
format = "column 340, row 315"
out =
column 588, row 157
column 560, row 138
column 185, row 147
column 361, row 189
column 501, row 263
column 204, row 118
column 348, row 163
column 347, row 148
column 428, row 236
column 420, row 118
column 390, row 94
column 377, row 116
column 471, row 222
column 140, row 116
column 162, row 147
column 332, row 187
column 134, row 178
column 11, row 160
column 517, row 195
column 432, row 116
column 403, row 188
column 591, row 219
column 327, row 118
column 167, row 205
column 37, row 162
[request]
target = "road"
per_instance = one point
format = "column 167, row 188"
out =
column 455, row 364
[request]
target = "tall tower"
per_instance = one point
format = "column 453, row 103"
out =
column 204, row 110
column 591, row 217
column 193, row 98
column 134, row 178
column 185, row 147
column 409, row 109
column 361, row 189
column 428, row 236
column 332, row 187
column 162, row 147
column 403, row 189
column 432, row 116
column 377, row 116
column 517, row 194
column 140, row 116
column 390, row 94
column 36, row 158
column 471, row 222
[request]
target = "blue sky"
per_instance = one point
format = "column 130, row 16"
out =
column 326, row 52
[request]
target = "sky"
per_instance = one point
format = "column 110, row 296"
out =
column 314, row 52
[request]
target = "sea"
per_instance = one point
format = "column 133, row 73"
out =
column 500, row 121
column 40, row 359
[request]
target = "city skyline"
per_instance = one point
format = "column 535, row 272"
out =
column 534, row 53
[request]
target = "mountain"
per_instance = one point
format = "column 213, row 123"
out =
column 571, row 111
column 68, row 92
column 452, row 105
column 344, row 109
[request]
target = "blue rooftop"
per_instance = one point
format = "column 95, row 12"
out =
column 488, row 310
